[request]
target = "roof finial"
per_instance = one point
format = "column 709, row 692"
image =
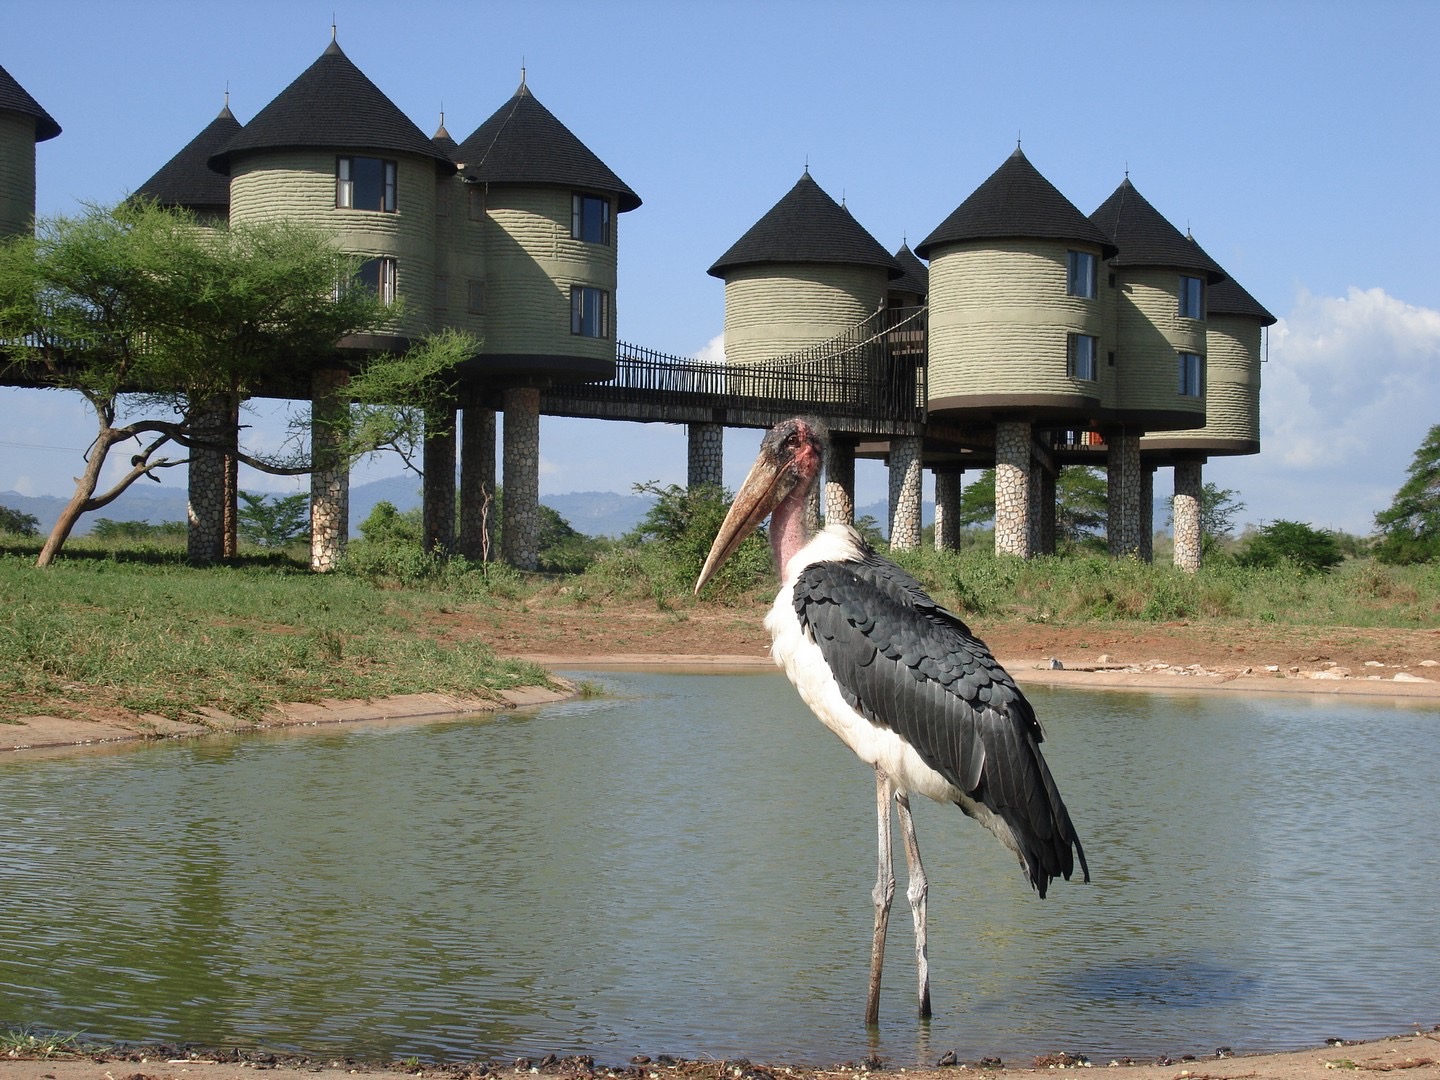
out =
column 334, row 29
column 807, row 164
column 522, row 70
column 1017, row 138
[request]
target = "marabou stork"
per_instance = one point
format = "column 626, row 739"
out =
column 901, row 681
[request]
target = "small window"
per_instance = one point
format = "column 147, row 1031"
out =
column 378, row 275
column 590, row 218
column 475, row 297
column 442, row 292
column 1082, row 350
column 365, row 183
column 1192, row 297
column 1191, row 377
column 442, row 197
column 589, row 311
column 1081, row 270
column 476, row 201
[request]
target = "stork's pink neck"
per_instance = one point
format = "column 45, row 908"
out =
column 788, row 533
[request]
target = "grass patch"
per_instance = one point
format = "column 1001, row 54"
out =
column 158, row 636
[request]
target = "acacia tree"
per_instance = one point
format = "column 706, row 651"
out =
column 1410, row 527
column 153, row 318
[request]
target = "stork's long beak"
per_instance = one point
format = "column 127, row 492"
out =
column 769, row 481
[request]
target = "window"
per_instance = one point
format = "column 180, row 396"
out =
column 378, row 275
column 365, row 183
column 442, row 292
column 590, row 218
column 1080, row 273
column 589, row 311
column 475, row 297
column 1192, row 297
column 1081, row 350
column 1191, row 379
column 476, row 201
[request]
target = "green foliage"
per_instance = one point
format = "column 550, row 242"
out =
column 1218, row 510
column 1081, row 507
column 977, row 501
column 119, row 531
column 274, row 522
column 1292, row 543
column 1410, row 526
column 387, row 525
column 13, row 521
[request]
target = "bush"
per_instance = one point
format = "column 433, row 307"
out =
column 13, row 521
column 1293, row 542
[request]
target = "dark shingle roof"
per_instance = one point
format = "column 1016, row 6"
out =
column 443, row 142
column 916, row 277
column 807, row 226
column 1015, row 203
column 187, row 179
column 523, row 143
column 13, row 98
column 1227, row 297
column 333, row 105
column 1145, row 238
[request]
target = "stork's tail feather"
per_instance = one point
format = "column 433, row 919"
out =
column 1047, row 844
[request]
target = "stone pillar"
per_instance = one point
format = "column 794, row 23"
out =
column 840, row 483
column 520, row 531
column 1123, row 493
column 1042, row 509
column 947, row 509
column 1147, row 512
column 1012, row 488
column 477, row 483
column 329, row 470
column 905, row 475
column 205, row 513
column 1186, row 513
column 438, row 493
column 707, row 454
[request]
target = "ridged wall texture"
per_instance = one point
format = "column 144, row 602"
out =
column 1150, row 335
column 1000, row 319
column 532, row 262
column 774, row 310
column 459, row 298
column 299, row 186
column 17, row 173
column 1232, row 385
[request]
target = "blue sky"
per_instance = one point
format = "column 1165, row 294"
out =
column 1294, row 139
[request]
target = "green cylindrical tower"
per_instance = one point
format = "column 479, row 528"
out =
column 1017, row 303
column 334, row 152
column 1234, row 329
column 804, row 273
column 538, row 246
column 1160, row 325
column 23, row 123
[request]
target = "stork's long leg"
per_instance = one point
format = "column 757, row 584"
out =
column 883, row 895
column 917, row 891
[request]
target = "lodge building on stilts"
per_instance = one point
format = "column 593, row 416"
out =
column 1036, row 337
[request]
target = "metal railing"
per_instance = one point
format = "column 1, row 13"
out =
column 874, row 371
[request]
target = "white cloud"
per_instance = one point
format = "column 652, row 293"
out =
column 1347, row 395
column 713, row 351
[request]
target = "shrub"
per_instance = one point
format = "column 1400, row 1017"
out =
column 1293, row 542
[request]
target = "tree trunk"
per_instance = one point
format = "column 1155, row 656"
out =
column 85, row 486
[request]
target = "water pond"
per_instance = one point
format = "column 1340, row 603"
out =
column 684, row 866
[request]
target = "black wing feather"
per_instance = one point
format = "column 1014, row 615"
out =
column 907, row 664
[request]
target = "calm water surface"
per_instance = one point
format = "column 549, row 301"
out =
column 685, row 867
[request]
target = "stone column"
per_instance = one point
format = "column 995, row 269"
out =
column 1186, row 513
column 520, row 531
column 905, row 476
column 1147, row 512
column 477, row 483
column 840, row 482
column 1012, row 489
column 205, row 512
column 329, row 470
column 1123, row 493
column 1042, row 509
column 947, row 509
column 438, row 493
column 707, row 454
